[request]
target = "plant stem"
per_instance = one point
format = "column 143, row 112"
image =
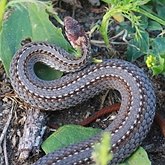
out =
column 105, row 22
column 151, row 16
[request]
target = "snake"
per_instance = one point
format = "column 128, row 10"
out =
column 83, row 80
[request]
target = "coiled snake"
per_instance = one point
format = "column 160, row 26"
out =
column 137, row 109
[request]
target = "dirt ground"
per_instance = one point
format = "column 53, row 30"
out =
column 13, row 114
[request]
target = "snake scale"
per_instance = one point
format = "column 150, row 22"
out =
column 137, row 109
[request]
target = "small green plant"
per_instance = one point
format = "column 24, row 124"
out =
column 102, row 151
column 127, row 9
column 102, row 154
column 150, row 61
column 156, row 64
column 145, row 20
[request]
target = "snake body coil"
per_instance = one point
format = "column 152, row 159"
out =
column 137, row 109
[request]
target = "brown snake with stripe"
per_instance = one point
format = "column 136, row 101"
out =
column 137, row 109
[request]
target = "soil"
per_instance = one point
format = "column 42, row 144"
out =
column 154, row 143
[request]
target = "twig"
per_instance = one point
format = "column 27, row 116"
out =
column 100, row 113
column 102, row 43
column 125, row 40
column 103, row 99
column 7, row 124
column 9, row 94
column 34, row 129
column 118, row 35
column 5, row 151
column 98, row 43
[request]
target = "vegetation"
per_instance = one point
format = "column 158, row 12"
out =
column 102, row 151
column 142, row 20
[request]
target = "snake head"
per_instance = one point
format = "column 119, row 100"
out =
column 75, row 33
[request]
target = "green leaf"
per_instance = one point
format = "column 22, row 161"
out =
column 161, row 11
column 2, row 10
column 161, row 2
column 152, row 16
column 71, row 134
column 125, row 26
column 44, row 72
column 137, row 48
column 160, row 67
column 156, row 60
column 158, row 46
column 152, row 25
column 143, row 21
column 28, row 20
column 138, row 157
column 66, row 135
